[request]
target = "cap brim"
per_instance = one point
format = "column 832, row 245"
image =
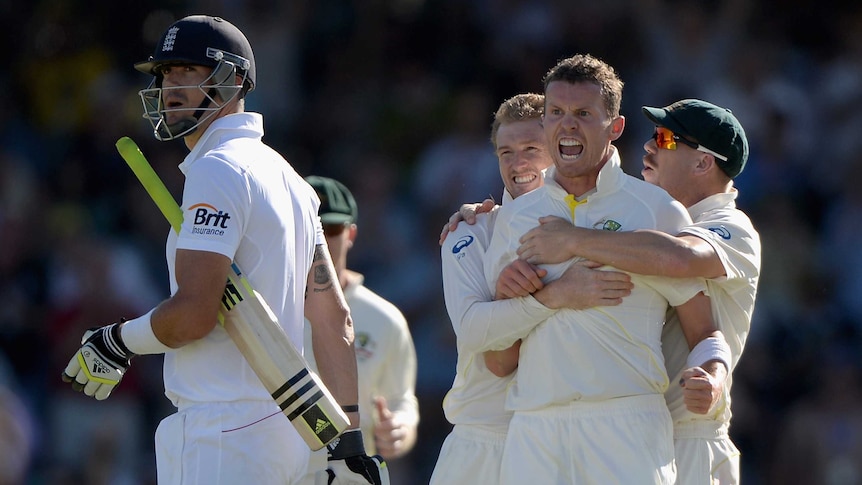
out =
column 145, row 67
column 149, row 66
column 662, row 117
column 335, row 218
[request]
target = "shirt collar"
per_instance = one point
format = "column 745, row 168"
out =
column 610, row 178
column 715, row 201
column 236, row 125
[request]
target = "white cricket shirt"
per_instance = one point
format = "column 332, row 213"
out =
column 598, row 353
column 730, row 233
column 243, row 200
column 385, row 358
column 477, row 396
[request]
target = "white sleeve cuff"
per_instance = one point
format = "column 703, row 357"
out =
column 711, row 348
column 138, row 336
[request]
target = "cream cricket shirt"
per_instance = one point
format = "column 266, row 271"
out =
column 477, row 396
column 385, row 358
column 730, row 232
column 598, row 353
column 243, row 200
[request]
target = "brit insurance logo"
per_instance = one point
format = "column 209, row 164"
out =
column 208, row 220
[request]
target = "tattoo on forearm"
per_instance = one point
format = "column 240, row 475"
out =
column 321, row 275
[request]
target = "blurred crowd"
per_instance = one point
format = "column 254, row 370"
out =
column 395, row 98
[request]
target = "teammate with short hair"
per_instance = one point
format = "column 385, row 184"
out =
column 242, row 202
column 472, row 453
column 385, row 355
column 695, row 153
column 590, row 382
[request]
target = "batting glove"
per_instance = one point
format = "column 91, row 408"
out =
column 349, row 465
column 100, row 363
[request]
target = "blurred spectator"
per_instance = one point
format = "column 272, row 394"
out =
column 840, row 242
column 459, row 165
column 396, row 98
column 820, row 439
column 16, row 437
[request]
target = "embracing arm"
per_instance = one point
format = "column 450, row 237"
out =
column 643, row 251
column 495, row 325
column 466, row 213
column 480, row 322
column 580, row 286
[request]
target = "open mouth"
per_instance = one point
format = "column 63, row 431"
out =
column 570, row 149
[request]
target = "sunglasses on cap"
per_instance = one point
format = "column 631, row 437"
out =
column 332, row 230
column 667, row 139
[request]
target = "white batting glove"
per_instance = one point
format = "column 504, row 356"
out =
column 99, row 365
column 349, row 465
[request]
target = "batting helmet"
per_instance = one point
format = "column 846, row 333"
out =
column 200, row 40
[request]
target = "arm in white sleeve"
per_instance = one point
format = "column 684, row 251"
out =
column 479, row 322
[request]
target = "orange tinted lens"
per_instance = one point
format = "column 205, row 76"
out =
column 664, row 138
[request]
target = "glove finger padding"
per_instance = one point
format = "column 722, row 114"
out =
column 103, row 392
column 91, row 387
column 99, row 364
column 72, row 370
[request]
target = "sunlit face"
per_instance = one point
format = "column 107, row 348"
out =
column 578, row 129
column 181, row 103
column 523, row 154
column 670, row 169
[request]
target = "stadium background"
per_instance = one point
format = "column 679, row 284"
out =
column 395, row 97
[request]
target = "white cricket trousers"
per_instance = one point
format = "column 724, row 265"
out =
column 705, row 455
column 470, row 455
column 625, row 440
column 229, row 443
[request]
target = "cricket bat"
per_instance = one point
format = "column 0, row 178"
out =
column 255, row 330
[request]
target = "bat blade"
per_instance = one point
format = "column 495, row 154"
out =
column 284, row 372
column 255, row 330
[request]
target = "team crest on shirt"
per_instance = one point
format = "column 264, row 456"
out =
column 607, row 225
column 461, row 245
column 365, row 346
column 721, row 231
column 208, row 220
